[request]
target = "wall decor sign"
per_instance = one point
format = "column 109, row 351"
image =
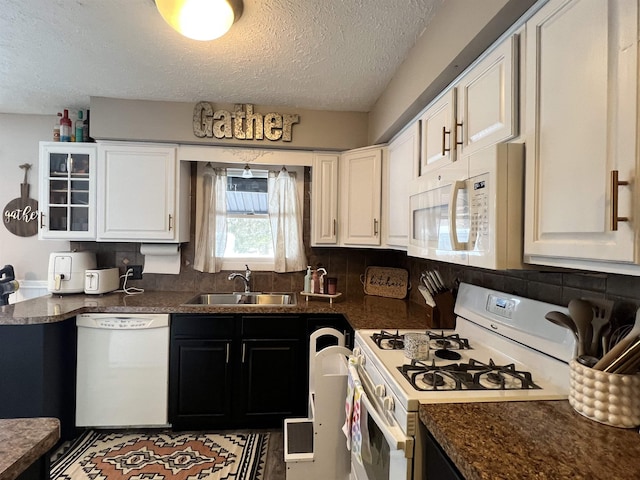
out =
column 242, row 123
column 21, row 214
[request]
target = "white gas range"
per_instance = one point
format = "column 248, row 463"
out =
column 502, row 349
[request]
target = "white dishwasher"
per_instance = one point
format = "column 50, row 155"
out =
column 123, row 370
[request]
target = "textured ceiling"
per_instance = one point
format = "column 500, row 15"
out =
column 318, row 54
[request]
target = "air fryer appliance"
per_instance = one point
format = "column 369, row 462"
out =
column 67, row 271
column 8, row 284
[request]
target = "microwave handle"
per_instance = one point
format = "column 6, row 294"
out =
column 453, row 232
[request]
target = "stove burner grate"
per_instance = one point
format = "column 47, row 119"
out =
column 451, row 341
column 388, row 341
column 431, row 377
column 501, row 377
column 474, row 375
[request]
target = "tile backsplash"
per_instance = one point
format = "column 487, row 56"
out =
column 348, row 264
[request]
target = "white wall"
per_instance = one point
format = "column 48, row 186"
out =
column 19, row 137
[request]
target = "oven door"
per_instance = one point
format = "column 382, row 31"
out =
column 387, row 453
column 440, row 222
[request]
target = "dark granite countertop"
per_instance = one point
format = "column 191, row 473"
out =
column 361, row 312
column 531, row 440
column 23, row 441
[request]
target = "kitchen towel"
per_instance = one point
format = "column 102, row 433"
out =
column 161, row 258
column 348, row 404
column 352, row 380
column 356, row 431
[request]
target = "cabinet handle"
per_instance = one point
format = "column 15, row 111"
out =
column 41, row 220
column 445, row 132
column 227, row 352
column 375, row 227
column 170, row 219
column 244, row 349
column 455, row 134
column 334, row 227
column 615, row 184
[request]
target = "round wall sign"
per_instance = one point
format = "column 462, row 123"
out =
column 20, row 216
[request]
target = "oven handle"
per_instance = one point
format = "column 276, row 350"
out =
column 453, row 228
column 392, row 432
column 396, row 440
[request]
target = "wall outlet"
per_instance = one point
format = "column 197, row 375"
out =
column 137, row 272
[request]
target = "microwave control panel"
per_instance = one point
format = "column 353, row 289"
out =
column 479, row 206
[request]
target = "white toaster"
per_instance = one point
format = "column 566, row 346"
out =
column 101, row 281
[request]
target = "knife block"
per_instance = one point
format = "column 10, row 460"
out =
column 442, row 316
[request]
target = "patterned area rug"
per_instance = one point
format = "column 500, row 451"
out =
column 98, row 455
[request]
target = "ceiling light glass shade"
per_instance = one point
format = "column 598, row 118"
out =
column 247, row 173
column 200, row 19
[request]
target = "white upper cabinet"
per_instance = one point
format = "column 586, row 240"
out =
column 581, row 134
column 438, row 133
column 67, row 191
column 400, row 166
column 487, row 106
column 360, row 196
column 141, row 193
column 324, row 199
column 478, row 110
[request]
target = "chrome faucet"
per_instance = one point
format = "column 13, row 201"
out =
column 246, row 278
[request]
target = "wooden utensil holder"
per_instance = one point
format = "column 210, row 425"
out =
column 442, row 315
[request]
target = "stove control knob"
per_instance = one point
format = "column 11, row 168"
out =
column 388, row 404
column 357, row 352
column 380, row 391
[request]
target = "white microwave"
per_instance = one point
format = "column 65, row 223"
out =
column 470, row 211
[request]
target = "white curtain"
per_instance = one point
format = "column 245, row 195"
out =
column 286, row 223
column 212, row 238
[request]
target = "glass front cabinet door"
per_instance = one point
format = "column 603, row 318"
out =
column 67, row 191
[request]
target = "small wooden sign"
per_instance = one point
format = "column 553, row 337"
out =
column 20, row 216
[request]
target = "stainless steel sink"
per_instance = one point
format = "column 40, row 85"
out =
column 243, row 299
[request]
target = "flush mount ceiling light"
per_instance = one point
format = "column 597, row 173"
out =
column 200, row 19
column 247, row 173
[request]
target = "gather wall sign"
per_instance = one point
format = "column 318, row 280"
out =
column 242, row 124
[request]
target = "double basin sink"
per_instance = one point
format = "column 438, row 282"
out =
column 244, row 299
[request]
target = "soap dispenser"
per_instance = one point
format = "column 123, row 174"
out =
column 321, row 276
column 307, row 280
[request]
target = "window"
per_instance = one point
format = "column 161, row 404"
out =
column 237, row 225
column 248, row 226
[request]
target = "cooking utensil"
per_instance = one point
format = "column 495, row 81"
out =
column 621, row 346
column 601, row 318
column 423, row 280
column 426, row 295
column 440, row 281
column 430, row 285
column 627, row 360
column 587, row 360
column 563, row 320
column 581, row 313
column 435, row 282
